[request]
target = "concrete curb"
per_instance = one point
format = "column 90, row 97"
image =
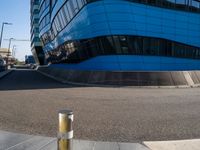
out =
column 15, row 141
column 4, row 73
column 193, row 144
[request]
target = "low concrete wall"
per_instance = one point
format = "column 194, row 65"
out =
column 2, row 68
column 168, row 78
column 4, row 73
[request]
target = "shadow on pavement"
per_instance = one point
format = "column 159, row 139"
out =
column 29, row 80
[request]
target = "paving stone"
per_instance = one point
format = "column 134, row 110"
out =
column 51, row 145
column 106, row 146
column 132, row 146
column 83, row 145
column 10, row 139
column 34, row 143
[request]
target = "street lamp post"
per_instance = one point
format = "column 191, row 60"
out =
column 10, row 40
column 4, row 23
column 13, row 50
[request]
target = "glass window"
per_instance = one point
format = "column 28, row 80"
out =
column 169, row 3
column 70, row 9
column 78, row 50
column 137, row 44
column 53, row 3
column 117, row 44
column 195, row 5
column 57, row 24
column 154, row 46
column 52, row 35
column 181, row 4
column 75, row 6
column 62, row 18
column 80, row 3
column 124, row 44
column 151, row 2
column 54, row 28
column 192, row 5
column 64, row 12
column 146, row 46
column 65, row 9
column 63, row 15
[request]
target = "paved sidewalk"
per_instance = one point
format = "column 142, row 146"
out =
column 4, row 73
column 14, row 141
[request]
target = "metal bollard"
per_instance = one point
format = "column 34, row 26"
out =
column 65, row 134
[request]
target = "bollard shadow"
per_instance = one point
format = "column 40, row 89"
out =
column 27, row 79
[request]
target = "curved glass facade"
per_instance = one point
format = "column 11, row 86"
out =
column 63, row 17
column 73, row 31
column 80, row 50
column 72, row 7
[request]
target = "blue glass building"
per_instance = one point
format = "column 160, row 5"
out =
column 121, row 35
column 29, row 59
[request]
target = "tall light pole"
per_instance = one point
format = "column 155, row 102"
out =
column 13, row 50
column 10, row 40
column 4, row 23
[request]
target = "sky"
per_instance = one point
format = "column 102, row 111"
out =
column 16, row 12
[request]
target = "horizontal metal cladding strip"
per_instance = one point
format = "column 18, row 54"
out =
column 81, row 50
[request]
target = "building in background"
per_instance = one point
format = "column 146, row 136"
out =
column 29, row 59
column 6, row 55
column 4, row 52
column 2, row 64
column 36, row 45
column 125, row 35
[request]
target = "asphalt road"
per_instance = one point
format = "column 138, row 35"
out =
column 29, row 103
